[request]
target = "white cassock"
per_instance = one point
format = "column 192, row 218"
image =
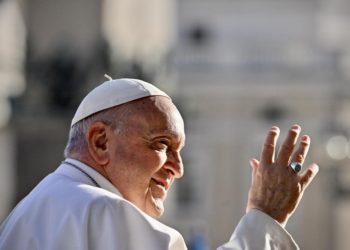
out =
column 78, row 209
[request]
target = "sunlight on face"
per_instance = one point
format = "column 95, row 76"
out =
column 145, row 159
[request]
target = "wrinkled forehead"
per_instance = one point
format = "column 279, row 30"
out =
column 156, row 114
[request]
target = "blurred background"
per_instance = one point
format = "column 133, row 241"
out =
column 234, row 69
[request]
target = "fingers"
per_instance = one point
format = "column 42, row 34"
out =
column 275, row 189
column 268, row 152
column 308, row 175
column 288, row 144
column 300, row 154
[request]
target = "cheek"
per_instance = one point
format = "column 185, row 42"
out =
column 158, row 159
column 152, row 162
column 125, row 155
column 139, row 163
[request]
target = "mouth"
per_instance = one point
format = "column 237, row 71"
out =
column 164, row 183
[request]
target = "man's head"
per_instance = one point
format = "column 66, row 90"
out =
column 136, row 146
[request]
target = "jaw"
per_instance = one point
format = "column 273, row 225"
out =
column 149, row 200
column 157, row 208
column 154, row 206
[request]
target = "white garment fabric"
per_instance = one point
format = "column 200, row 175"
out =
column 66, row 210
column 257, row 230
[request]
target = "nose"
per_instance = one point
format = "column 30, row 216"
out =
column 174, row 164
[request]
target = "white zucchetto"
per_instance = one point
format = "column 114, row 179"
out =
column 113, row 93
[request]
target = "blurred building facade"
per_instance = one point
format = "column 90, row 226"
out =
column 234, row 68
column 242, row 66
column 12, row 83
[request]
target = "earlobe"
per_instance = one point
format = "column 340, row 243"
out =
column 97, row 141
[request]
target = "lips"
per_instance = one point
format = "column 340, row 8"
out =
column 165, row 183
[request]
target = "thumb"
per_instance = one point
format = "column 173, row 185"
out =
column 254, row 163
column 308, row 175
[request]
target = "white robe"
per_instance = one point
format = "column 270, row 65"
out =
column 66, row 211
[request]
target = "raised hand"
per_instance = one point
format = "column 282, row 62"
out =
column 276, row 189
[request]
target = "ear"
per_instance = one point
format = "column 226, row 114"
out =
column 97, row 141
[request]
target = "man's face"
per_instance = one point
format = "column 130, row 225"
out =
column 145, row 157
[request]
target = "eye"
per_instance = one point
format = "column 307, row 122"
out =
column 161, row 145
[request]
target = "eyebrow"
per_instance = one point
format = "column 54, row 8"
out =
column 169, row 136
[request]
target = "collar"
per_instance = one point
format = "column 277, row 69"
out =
column 72, row 172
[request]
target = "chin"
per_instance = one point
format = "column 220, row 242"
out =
column 155, row 209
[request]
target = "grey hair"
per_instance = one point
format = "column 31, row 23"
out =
column 115, row 117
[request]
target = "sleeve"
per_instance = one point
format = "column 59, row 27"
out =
column 257, row 230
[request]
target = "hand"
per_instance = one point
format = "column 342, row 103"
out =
column 276, row 189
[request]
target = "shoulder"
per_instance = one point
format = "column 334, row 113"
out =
column 73, row 210
column 116, row 217
column 63, row 195
column 76, row 193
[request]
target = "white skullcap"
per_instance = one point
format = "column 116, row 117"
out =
column 113, row 93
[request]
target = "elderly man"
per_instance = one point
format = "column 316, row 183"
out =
column 122, row 156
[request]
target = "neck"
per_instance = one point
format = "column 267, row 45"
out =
column 90, row 162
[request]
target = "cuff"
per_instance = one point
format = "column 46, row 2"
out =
column 257, row 230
